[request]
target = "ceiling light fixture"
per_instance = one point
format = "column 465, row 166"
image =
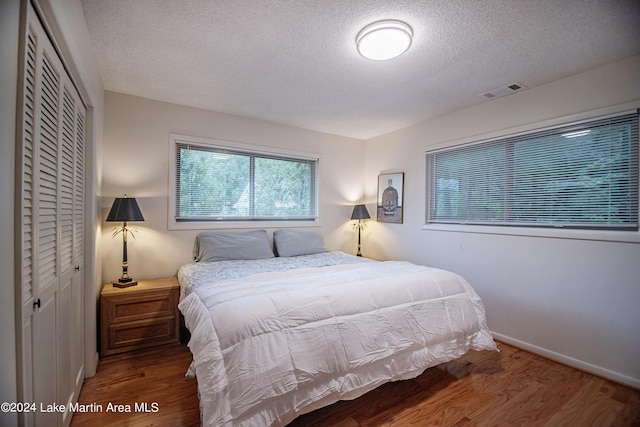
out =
column 384, row 40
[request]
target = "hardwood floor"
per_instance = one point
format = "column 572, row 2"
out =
column 152, row 376
column 510, row 388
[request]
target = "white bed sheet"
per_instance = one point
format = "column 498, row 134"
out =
column 271, row 346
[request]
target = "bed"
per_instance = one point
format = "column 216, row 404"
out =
column 279, row 331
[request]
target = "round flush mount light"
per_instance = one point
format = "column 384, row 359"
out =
column 384, row 40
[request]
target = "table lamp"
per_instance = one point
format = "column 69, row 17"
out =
column 359, row 212
column 124, row 210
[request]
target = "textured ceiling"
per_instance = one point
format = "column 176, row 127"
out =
column 294, row 62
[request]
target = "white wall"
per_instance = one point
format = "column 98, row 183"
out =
column 572, row 300
column 9, row 20
column 135, row 162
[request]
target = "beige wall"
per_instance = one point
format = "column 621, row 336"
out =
column 570, row 299
column 135, row 162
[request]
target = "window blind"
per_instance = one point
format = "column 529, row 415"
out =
column 578, row 175
column 225, row 184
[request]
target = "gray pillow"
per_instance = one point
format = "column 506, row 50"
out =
column 215, row 246
column 293, row 243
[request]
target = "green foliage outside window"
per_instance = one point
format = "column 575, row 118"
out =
column 221, row 184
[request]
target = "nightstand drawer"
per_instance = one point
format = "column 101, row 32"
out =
column 138, row 317
column 141, row 305
column 142, row 333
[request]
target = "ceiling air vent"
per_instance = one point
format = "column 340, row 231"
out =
column 504, row 90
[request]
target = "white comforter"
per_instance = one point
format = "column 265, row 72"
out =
column 272, row 346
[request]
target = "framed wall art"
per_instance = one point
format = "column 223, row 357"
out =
column 390, row 197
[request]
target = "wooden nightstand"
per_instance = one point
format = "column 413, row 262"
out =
column 141, row 316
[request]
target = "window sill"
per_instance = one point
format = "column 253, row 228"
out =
column 596, row 235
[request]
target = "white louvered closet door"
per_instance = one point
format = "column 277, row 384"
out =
column 52, row 201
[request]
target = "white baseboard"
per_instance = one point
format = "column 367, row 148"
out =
column 91, row 365
column 570, row 361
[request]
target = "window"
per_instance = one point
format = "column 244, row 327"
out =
column 581, row 175
column 238, row 183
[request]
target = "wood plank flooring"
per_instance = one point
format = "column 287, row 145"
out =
column 152, row 376
column 510, row 388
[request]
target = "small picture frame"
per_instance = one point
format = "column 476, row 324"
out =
column 390, row 197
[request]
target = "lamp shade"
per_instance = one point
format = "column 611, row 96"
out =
column 360, row 212
column 124, row 210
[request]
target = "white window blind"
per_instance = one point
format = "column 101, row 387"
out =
column 579, row 175
column 216, row 183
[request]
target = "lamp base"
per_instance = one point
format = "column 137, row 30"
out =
column 125, row 284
